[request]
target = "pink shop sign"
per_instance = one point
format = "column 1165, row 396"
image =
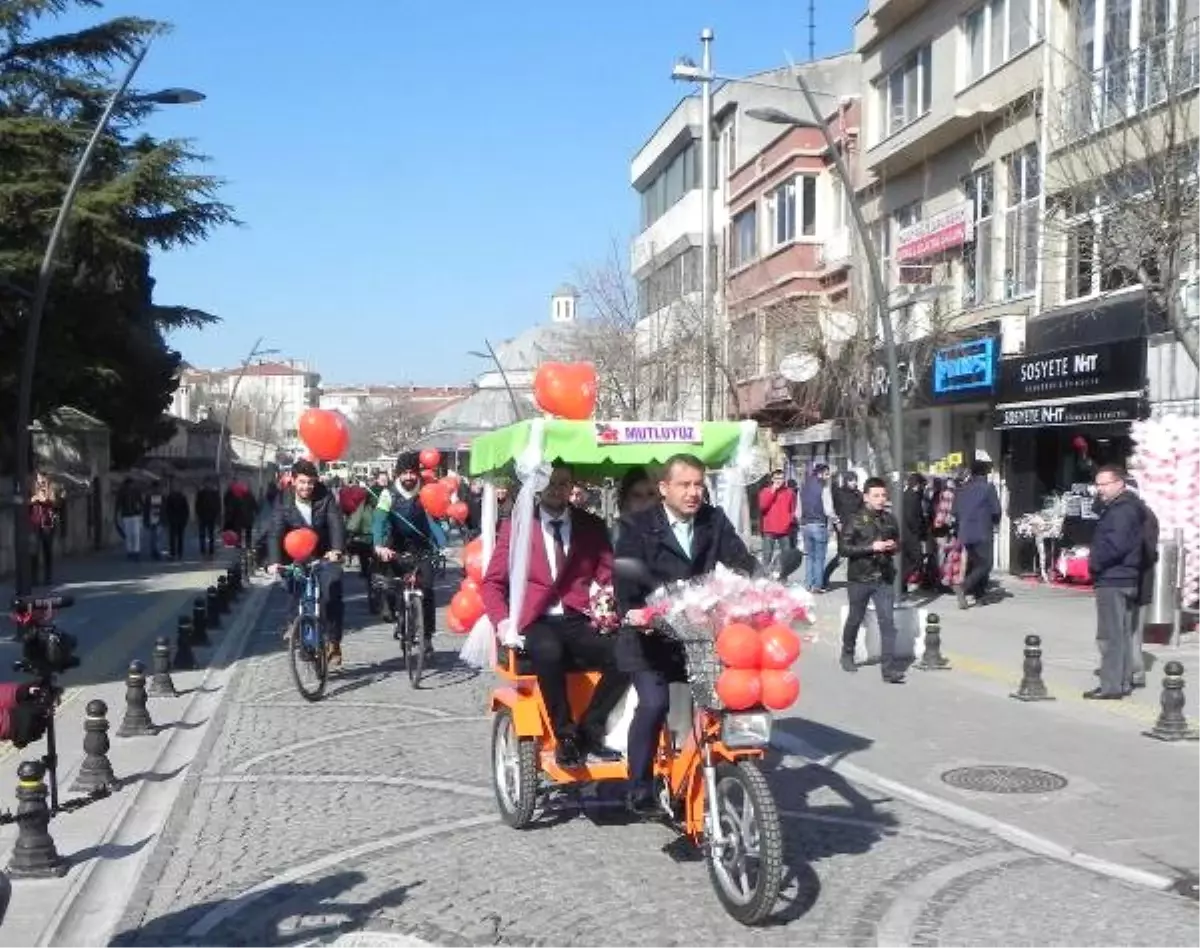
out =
column 937, row 234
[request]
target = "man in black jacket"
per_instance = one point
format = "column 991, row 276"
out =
column 1116, row 567
column 208, row 514
column 870, row 546
column 311, row 504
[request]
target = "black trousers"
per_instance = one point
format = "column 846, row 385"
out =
column 175, row 539
column 43, row 553
column 208, row 530
column 555, row 641
column 859, row 596
column 428, row 600
column 333, row 609
column 979, row 567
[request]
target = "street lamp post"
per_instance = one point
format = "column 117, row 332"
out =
column 878, row 291
column 24, row 437
column 255, row 351
column 490, row 355
column 689, row 72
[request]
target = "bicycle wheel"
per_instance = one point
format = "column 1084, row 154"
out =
column 414, row 649
column 310, row 664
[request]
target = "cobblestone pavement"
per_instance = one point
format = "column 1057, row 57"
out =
column 368, row 819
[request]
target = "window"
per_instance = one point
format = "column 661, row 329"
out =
column 838, row 191
column 904, row 217
column 682, row 174
column 1021, row 222
column 980, row 190
column 808, row 205
column 781, row 208
column 1081, row 258
column 743, row 246
column 743, row 348
column 905, row 94
column 996, row 32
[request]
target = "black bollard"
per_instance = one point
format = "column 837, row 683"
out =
column 96, row 773
column 136, row 722
column 213, row 608
column 34, row 854
column 235, row 577
column 224, row 594
column 185, row 635
column 161, row 685
column 1171, row 724
column 1032, row 688
column 932, row 659
column 200, row 623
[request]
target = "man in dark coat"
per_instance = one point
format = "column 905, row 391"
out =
column 681, row 538
column 976, row 512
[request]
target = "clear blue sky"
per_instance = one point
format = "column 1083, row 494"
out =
column 415, row 176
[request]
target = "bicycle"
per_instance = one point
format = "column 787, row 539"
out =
column 410, row 608
column 308, row 644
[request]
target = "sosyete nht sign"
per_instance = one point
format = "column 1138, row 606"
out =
column 637, row 432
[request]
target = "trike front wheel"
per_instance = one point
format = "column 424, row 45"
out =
column 746, row 867
column 309, row 660
column 514, row 771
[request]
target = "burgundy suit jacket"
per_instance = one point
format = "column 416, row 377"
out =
column 589, row 560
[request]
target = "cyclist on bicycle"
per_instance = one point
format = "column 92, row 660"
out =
column 401, row 526
column 311, row 504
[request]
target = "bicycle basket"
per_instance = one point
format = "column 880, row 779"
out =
column 700, row 656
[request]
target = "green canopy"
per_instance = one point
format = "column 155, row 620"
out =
column 608, row 448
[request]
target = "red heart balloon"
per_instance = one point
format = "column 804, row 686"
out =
column 324, row 433
column 566, row 389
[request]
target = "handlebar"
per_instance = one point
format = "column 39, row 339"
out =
column 28, row 603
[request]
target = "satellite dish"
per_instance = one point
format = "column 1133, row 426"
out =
column 799, row 367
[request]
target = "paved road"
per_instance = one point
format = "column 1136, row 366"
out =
column 369, row 819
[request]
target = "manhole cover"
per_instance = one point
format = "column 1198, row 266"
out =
column 1004, row 779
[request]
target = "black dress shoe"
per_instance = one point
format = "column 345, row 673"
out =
column 893, row 676
column 1097, row 695
column 601, row 752
column 641, row 802
column 567, row 754
column 848, row 663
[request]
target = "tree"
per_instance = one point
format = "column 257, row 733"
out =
column 103, row 346
column 382, row 428
column 1121, row 175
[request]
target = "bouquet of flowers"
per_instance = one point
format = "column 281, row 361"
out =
column 602, row 608
column 724, row 596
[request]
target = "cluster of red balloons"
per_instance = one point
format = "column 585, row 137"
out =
column 301, row 543
column 437, row 496
column 757, row 666
column 325, row 433
column 230, row 538
column 466, row 608
column 566, row 389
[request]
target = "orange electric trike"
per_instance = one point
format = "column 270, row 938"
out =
column 706, row 771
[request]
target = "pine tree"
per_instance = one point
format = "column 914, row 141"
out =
column 103, row 348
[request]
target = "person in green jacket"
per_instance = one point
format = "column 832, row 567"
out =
column 358, row 506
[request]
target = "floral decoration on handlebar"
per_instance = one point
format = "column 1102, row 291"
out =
column 602, row 608
column 724, row 596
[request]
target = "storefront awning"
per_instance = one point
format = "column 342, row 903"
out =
column 1071, row 411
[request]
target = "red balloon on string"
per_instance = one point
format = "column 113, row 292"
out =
column 780, row 688
column 428, row 476
column 738, row 646
column 325, row 433
column 780, row 646
column 467, row 606
column 230, row 538
column 566, row 389
column 454, row 625
column 435, row 500
column 472, row 560
column 430, row 458
column 299, row 544
column 739, row 688
column 458, row 512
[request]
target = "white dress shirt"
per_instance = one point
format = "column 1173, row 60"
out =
column 556, row 609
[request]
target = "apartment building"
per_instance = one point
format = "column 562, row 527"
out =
column 273, row 394
column 789, row 273
column 665, row 256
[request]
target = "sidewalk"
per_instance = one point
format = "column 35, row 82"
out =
column 1128, row 799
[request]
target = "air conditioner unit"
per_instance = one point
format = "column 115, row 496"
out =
column 1012, row 334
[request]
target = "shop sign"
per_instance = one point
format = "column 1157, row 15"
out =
column 1063, row 413
column 966, row 369
column 937, row 234
column 629, row 432
column 1098, row 369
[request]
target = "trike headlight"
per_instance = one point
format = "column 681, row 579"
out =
column 746, row 729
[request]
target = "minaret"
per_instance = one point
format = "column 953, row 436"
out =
column 563, row 304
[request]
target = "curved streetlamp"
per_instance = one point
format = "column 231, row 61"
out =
column 878, row 289
column 255, row 352
column 518, row 415
column 24, row 445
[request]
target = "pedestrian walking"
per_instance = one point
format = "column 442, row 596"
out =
column 177, row 513
column 870, row 545
column 847, row 501
column 976, row 513
column 1145, row 591
column 777, row 513
column 208, row 515
column 130, row 508
column 152, row 519
column 916, row 530
column 1116, row 566
column 816, row 511
column 44, row 515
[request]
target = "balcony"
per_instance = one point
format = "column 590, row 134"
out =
column 1164, row 68
column 679, row 226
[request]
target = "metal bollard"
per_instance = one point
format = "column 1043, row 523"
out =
column 932, row 659
column 34, row 853
column 1032, row 688
column 1171, row 724
column 234, row 574
column 200, row 623
column 185, row 660
column 161, row 684
column 213, row 608
column 96, row 772
column 224, row 594
column 136, row 722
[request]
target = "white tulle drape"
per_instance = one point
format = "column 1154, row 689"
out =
column 737, row 475
column 534, row 474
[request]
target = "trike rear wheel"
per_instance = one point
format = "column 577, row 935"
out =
column 746, row 867
column 514, row 771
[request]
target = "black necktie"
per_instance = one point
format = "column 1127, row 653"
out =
column 560, row 551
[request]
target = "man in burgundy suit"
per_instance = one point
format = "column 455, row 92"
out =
column 570, row 550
